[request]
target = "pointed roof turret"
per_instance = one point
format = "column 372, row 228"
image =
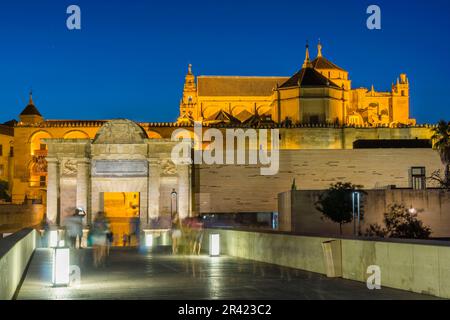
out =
column 307, row 62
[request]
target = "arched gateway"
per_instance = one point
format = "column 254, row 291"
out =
column 121, row 171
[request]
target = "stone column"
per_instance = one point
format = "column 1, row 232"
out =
column 53, row 190
column 154, row 183
column 83, row 186
column 183, row 190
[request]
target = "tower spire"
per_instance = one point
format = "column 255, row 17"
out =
column 31, row 98
column 307, row 62
column 319, row 49
column 189, row 68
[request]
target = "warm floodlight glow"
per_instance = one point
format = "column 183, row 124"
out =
column 214, row 244
column 149, row 240
column 53, row 238
column 61, row 266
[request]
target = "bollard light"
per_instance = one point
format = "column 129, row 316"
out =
column 214, row 244
column 149, row 240
column 53, row 238
column 61, row 266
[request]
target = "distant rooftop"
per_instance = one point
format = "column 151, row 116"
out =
column 237, row 85
column 393, row 144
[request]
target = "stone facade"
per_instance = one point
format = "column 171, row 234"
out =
column 74, row 158
column 320, row 92
column 233, row 188
column 120, row 158
column 6, row 144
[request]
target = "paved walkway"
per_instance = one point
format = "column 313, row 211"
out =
column 130, row 274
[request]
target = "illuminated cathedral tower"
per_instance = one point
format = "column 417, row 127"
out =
column 320, row 92
column 188, row 102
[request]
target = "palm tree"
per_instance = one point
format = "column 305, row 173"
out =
column 441, row 142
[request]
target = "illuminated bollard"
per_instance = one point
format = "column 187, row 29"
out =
column 53, row 238
column 148, row 240
column 214, row 245
column 61, row 266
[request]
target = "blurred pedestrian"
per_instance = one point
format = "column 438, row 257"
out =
column 176, row 233
column 110, row 240
column 78, row 220
column 198, row 231
column 99, row 238
column 70, row 223
column 125, row 239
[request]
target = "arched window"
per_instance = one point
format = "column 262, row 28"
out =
column 36, row 143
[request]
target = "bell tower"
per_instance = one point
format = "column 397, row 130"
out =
column 188, row 102
column 400, row 100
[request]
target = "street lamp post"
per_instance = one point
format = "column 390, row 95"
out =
column 356, row 205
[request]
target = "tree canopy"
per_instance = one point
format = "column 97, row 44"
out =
column 336, row 203
column 400, row 222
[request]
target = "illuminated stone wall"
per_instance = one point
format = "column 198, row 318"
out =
column 121, row 158
column 28, row 138
column 233, row 188
column 15, row 217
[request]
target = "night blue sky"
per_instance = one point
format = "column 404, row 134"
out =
column 130, row 58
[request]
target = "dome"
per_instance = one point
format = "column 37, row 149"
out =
column 120, row 131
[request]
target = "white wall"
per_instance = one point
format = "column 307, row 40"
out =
column 15, row 253
column 418, row 266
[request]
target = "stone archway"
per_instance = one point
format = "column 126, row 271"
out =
column 121, row 158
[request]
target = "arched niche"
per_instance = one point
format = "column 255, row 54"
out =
column 76, row 134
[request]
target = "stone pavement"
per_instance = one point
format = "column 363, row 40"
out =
column 130, row 274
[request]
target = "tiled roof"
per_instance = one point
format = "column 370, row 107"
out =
column 237, row 86
column 222, row 117
column 308, row 77
column 243, row 115
column 31, row 110
column 6, row 130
